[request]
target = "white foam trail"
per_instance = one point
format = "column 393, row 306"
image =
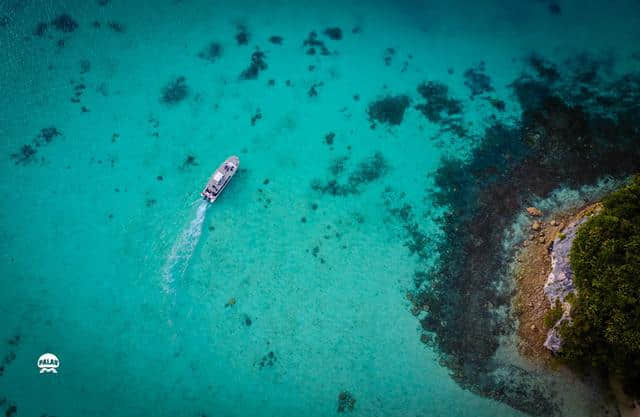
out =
column 182, row 250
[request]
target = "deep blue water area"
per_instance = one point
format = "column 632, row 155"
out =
column 358, row 261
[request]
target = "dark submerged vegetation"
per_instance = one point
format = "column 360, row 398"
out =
column 211, row 52
column 40, row 29
column 334, row 33
column 116, row 26
column 64, row 23
column 175, row 91
column 313, row 44
column 605, row 257
column 367, row 171
column 438, row 105
column 440, row 108
column 257, row 64
column 27, row 152
column 242, row 34
column 389, row 109
column 346, row 401
column 477, row 81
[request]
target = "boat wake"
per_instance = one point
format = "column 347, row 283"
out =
column 178, row 260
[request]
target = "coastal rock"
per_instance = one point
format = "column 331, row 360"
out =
column 553, row 341
column 536, row 225
column 535, row 212
column 560, row 280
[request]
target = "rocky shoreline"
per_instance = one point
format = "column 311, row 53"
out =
column 540, row 281
column 542, row 274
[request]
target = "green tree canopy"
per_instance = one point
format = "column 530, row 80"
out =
column 605, row 258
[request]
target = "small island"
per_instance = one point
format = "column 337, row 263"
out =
column 578, row 292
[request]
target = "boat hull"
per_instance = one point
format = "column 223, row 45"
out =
column 220, row 178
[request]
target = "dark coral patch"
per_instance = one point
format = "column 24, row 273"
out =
column 328, row 138
column 334, row 33
column 389, row 109
column 242, row 35
column 543, row 68
column 27, row 152
column 477, row 81
column 313, row 44
column 258, row 63
column 175, row 91
column 438, row 104
column 388, row 56
column 441, row 109
column 211, row 52
column 313, row 91
column 276, row 40
column 64, row 23
column 116, row 26
column 25, row 155
column 346, row 402
column 367, row 171
column 40, row 29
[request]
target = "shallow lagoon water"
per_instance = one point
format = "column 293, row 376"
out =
column 92, row 223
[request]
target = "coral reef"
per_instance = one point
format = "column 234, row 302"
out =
column 267, row 360
column 346, row 401
column 211, row 52
column 477, row 81
column 334, row 33
column 116, row 26
column 242, row 35
column 64, row 23
column 328, row 138
column 175, row 91
column 313, row 42
column 441, row 109
column 389, row 109
column 388, row 56
column 257, row 64
column 367, row 171
column 40, row 29
column 27, row 152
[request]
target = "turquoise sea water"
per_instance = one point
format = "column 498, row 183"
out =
column 280, row 296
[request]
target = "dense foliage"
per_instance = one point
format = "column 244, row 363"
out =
column 553, row 315
column 605, row 258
